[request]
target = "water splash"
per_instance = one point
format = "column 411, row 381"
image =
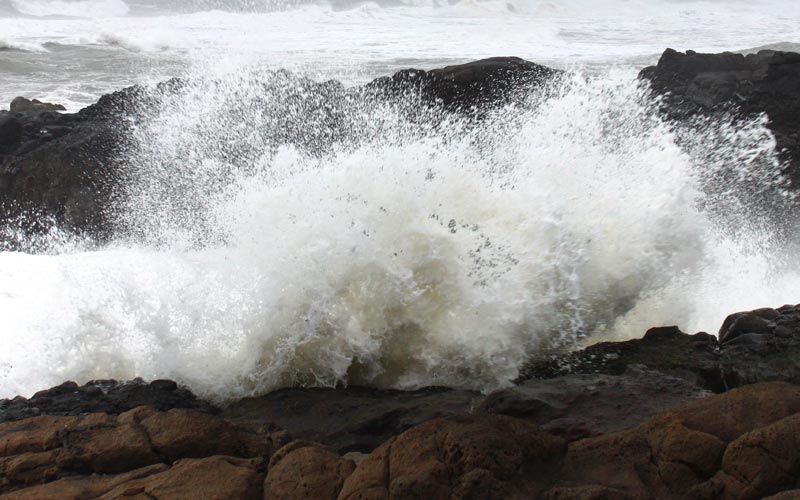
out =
column 274, row 233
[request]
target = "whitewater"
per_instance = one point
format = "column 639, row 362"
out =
column 400, row 255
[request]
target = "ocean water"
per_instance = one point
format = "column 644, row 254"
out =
column 401, row 256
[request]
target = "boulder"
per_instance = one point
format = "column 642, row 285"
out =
column 21, row 105
column 489, row 457
column 302, row 470
column 470, row 86
column 761, row 346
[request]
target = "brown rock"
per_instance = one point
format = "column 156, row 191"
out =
column 181, row 433
column 214, row 478
column 734, row 413
column 586, row 493
column 786, row 495
column 679, row 452
column 45, row 449
column 759, row 463
column 302, row 470
column 459, row 458
column 82, row 487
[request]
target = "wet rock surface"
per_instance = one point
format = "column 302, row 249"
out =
column 761, row 345
column 767, row 82
column 667, row 350
column 62, row 169
column 470, row 86
column 106, row 396
column 754, row 346
column 358, row 419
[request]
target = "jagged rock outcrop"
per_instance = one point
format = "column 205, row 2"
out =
column 664, row 349
column 766, row 82
column 754, row 346
column 761, row 345
column 471, row 86
column 61, row 169
column 106, row 396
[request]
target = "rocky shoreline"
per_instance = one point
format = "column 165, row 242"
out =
column 670, row 415
column 635, row 419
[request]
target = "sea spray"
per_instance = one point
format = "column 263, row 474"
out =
column 390, row 254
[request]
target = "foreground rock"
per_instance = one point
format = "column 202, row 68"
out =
column 573, row 406
column 739, row 445
column 140, row 450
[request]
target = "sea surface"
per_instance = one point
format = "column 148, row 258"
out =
column 397, row 259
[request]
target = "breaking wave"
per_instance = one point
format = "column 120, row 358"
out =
column 260, row 246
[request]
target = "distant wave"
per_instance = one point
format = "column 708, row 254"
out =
column 71, row 8
column 782, row 46
column 641, row 9
column 16, row 45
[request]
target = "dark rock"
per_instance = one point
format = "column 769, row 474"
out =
column 469, row 86
column 106, row 396
column 766, row 82
column 354, row 418
column 743, row 323
column 770, row 353
column 10, row 130
column 572, row 406
column 22, row 105
column 578, row 406
column 57, row 170
column 667, row 350
column 63, row 170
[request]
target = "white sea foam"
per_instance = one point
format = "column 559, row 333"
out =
column 398, row 259
column 71, row 8
column 22, row 45
column 354, row 41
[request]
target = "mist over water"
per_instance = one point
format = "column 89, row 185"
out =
column 397, row 250
column 73, row 51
